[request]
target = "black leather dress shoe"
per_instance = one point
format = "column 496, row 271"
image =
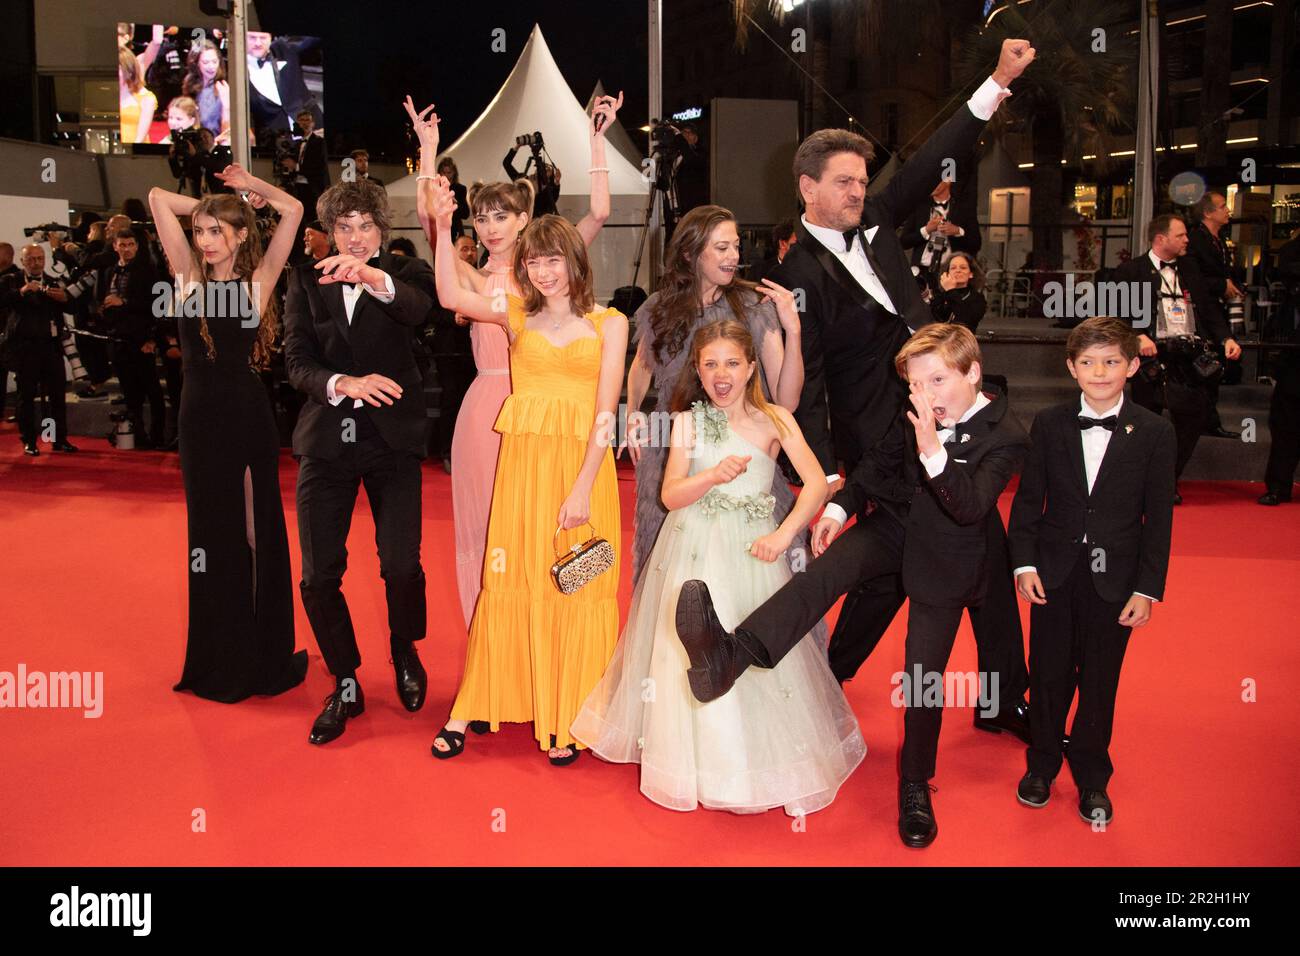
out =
column 1034, row 791
column 717, row 659
column 1178, row 497
column 1272, row 498
column 916, row 823
column 411, row 679
column 1014, row 720
column 1221, row 432
column 1092, row 801
column 29, row 448
column 65, row 446
column 334, row 718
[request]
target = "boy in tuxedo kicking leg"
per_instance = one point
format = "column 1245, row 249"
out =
column 961, row 449
column 1089, row 534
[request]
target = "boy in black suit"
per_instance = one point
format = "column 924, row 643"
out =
column 961, row 449
column 1090, row 528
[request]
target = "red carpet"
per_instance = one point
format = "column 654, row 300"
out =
column 94, row 552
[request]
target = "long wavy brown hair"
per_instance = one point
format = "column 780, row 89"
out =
column 678, row 304
column 690, row 389
column 235, row 212
column 553, row 235
column 192, row 85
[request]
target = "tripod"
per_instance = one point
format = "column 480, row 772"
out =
column 664, row 190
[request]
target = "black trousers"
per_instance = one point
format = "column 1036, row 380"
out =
column 455, row 375
column 39, row 370
column 1075, row 643
column 999, row 638
column 1284, row 432
column 931, row 631
column 1188, row 404
column 138, row 375
column 867, row 549
column 327, row 494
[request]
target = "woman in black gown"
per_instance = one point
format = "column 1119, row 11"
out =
column 241, row 629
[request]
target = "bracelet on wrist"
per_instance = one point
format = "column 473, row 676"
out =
column 598, row 169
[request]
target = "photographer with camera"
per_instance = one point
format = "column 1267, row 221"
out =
column 124, row 293
column 1176, row 338
column 1214, row 259
column 545, row 176
column 33, row 346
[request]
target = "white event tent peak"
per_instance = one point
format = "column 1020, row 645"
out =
column 534, row 97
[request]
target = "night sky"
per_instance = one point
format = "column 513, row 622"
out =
column 440, row 52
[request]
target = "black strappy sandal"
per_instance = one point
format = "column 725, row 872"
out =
column 480, row 726
column 564, row 761
column 454, row 739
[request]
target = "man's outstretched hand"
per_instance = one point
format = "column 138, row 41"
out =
column 1015, row 57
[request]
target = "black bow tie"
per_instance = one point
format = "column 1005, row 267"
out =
column 1107, row 423
column 1168, row 265
column 848, row 239
column 262, row 61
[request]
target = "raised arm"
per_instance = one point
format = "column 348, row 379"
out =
column 167, row 208
column 286, row 231
column 782, row 362
column 602, row 115
column 425, row 125
column 451, row 295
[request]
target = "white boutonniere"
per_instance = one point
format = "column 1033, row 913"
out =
column 965, row 438
column 1128, row 429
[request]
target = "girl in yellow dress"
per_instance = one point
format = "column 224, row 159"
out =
column 534, row 654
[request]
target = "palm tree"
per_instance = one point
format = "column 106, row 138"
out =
column 1068, row 100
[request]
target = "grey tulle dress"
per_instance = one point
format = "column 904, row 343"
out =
column 650, row 512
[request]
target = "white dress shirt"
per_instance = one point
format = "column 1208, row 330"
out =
column 1095, row 441
column 983, row 103
column 351, row 293
column 1173, row 316
column 933, row 465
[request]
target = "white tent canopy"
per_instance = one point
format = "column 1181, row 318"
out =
column 535, row 96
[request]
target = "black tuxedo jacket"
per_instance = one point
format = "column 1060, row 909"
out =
column 849, row 342
column 951, row 520
column 27, row 328
column 1209, row 258
column 318, row 343
column 1125, row 523
column 135, row 320
column 961, row 211
column 315, row 164
column 294, row 95
column 1210, row 320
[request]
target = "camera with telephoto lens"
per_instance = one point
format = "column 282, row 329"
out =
column 532, row 140
column 43, row 232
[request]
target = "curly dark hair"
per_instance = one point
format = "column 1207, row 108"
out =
column 361, row 196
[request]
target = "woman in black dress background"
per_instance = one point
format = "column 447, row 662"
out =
column 241, row 630
column 958, row 297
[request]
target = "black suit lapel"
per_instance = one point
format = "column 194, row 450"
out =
column 1117, row 447
column 332, row 295
column 833, row 267
column 884, row 275
column 1074, row 442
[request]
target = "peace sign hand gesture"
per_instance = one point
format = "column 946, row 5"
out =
column 425, row 124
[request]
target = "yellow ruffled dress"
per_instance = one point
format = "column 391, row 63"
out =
column 535, row 654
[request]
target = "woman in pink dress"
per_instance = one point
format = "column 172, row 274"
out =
column 498, row 212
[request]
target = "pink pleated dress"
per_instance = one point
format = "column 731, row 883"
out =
column 474, row 446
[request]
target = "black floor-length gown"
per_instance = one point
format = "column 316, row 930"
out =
column 241, row 629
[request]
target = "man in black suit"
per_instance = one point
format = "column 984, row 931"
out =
column 276, row 89
column 860, row 302
column 944, row 223
column 1206, row 246
column 33, row 346
column 349, row 323
column 1090, row 529
column 1175, row 316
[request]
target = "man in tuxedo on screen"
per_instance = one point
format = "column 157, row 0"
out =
column 349, row 323
column 276, row 89
column 861, row 302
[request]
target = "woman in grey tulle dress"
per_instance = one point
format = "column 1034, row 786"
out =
column 699, row 288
